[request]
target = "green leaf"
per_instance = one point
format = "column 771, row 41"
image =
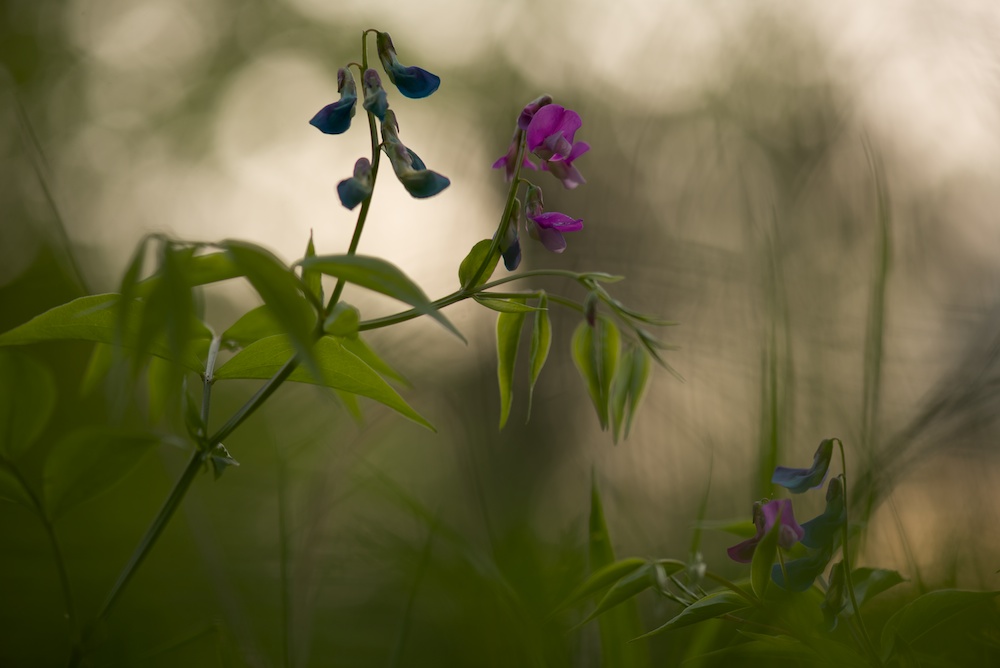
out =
column 595, row 352
column 351, row 404
column 89, row 461
column 638, row 381
column 221, row 460
column 508, row 338
column 339, row 369
column 870, row 582
column 504, row 305
column 368, row 356
column 628, row 587
column 541, row 342
column 343, row 321
column 472, row 262
column 380, row 276
column 282, row 291
column 163, row 381
column 168, row 309
column 712, row 606
column 197, row 270
column 927, row 614
column 254, row 325
column 13, row 491
column 27, row 399
column 101, row 359
column 601, row 579
column 620, row 387
column 94, row 318
column 763, row 559
column 312, row 278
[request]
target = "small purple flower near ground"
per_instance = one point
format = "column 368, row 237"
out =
column 764, row 517
column 335, row 118
column 412, row 82
column 800, row 480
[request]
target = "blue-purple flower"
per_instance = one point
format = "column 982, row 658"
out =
column 764, row 517
column 412, row 82
column 335, row 118
column 547, row 227
column 358, row 188
column 375, row 97
column 822, row 535
column 800, row 480
column 507, row 160
column 411, row 171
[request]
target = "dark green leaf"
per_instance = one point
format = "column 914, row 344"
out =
column 712, row 606
column 472, row 262
column 27, row 399
column 197, row 270
column 602, row 579
column 89, row 461
column 376, row 274
column 504, row 305
column 763, row 558
column 870, row 582
column 541, row 342
column 164, row 381
column 339, row 369
column 595, row 352
column 929, row 613
column 101, row 359
column 630, row 586
column 13, row 491
column 508, row 338
column 312, row 278
column 343, row 321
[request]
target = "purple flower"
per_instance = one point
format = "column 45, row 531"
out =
column 564, row 169
column 551, row 131
column 412, row 82
column 822, row 536
column 507, row 160
column 335, row 118
column 358, row 188
column 547, row 227
column 530, row 109
column 375, row 98
column 411, row 171
column 800, row 480
column 764, row 517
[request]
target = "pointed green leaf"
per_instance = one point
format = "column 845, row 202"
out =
column 254, row 325
column 504, row 305
column 712, row 606
column 168, row 310
column 368, row 356
column 197, row 270
column 313, row 278
column 630, row 586
column 595, row 352
column 94, row 318
column 380, row 276
column 89, row 461
column 221, row 460
column 763, row 559
column 583, row 357
column 601, row 579
column 870, row 582
column 541, row 342
column 638, row 381
column 620, row 387
column 27, row 399
column 339, row 368
column 472, row 262
column 343, row 321
column 101, row 359
column 508, row 338
column 12, row 491
column 282, row 291
column 351, row 405
column 930, row 614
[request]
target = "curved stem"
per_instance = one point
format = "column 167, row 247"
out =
column 869, row 647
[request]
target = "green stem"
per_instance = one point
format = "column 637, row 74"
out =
column 869, row 647
column 254, row 403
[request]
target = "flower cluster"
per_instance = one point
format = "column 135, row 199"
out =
column 820, row 535
column 335, row 119
column 548, row 132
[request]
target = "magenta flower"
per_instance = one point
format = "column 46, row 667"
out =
column 547, row 227
column 530, row 109
column 764, row 517
column 551, row 131
column 507, row 160
column 564, row 169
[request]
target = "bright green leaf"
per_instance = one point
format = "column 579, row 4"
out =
column 541, row 342
column 380, row 276
column 358, row 346
column 712, row 606
column 638, row 380
column 339, row 368
column 504, row 305
column 88, row 462
column 508, row 338
column 254, row 325
column 343, row 321
column 27, row 399
column 312, row 278
column 472, row 262
column 595, row 352
column 101, row 359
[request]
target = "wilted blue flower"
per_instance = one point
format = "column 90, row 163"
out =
column 335, row 118
column 510, row 245
column 411, row 171
column 764, row 517
column 803, row 572
column 358, row 188
column 823, row 535
column 800, row 480
column 375, row 98
column 547, row 227
column 412, row 82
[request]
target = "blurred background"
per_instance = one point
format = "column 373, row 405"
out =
column 809, row 189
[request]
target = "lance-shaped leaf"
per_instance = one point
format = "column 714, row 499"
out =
column 595, row 353
column 312, row 278
column 508, row 339
column 712, row 606
column 27, row 399
column 628, row 587
column 380, row 276
column 197, row 270
column 358, row 346
column 282, row 291
column 504, row 305
column 600, row 580
column 930, row 615
column 343, row 321
column 94, row 318
column 627, row 390
column 541, row 342
column 339, row 369
column 474, row 260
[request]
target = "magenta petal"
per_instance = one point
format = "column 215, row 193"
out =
column 558, row 221
column 552, row 240
column 500, row 162
column 579, row 149
column 544, row 123
column 790, row 532
column 565, row 171
column 743, row 552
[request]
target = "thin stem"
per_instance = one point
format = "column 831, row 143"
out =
column 733, row 587
column 869, row 647
column 254, row 403
column 208, row 378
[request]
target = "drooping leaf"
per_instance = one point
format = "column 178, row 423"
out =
column 472, row 262
column 595, row 352
column 638, row 381
column 94, row 318
column 168, row 310
column 90, row 461
column 620, row 387
column 256, row 324
column 380, row 276
column 508, row 339
column 712, row 606
column 27, row 399
column 163, row 381
column 339, row 369
column 870, row 582
column 541, row 342
column 922, row 618
column 197, row 270
column 504, row 305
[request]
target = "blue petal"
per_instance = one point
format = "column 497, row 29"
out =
column 413, row 82
column 415, row 161
column 801, row 480
column 424, row 183
column 512, row 255
column 824, row 530
column 801, row 572
column 335, row 118
column 377, row 103
column 352, row 192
